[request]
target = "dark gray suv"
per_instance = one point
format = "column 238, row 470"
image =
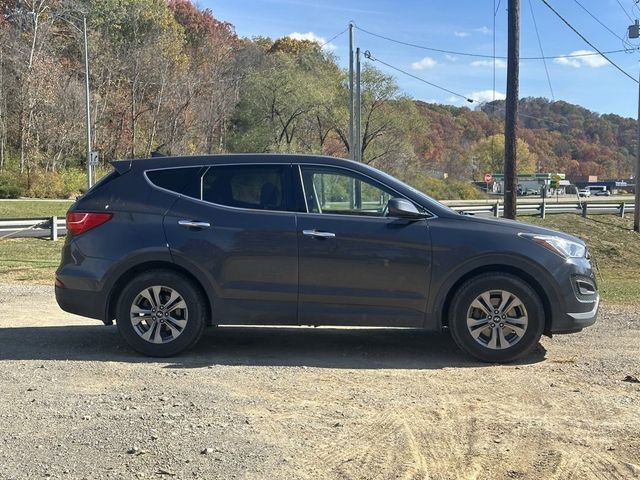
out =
column 167, row 246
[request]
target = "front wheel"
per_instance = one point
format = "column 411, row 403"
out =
column 160, row 313
column 496, row 317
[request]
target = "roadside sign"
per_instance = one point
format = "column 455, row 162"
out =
column 487, row 177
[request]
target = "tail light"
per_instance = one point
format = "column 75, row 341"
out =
column 81, row 222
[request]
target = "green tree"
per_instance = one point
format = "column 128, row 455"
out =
column 284, row 101
column 488, row 156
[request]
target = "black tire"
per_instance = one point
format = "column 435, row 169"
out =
column 516, row 345
column 186, row 336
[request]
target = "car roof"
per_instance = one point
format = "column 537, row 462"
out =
column 239, row 158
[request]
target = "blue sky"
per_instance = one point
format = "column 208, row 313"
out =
column 464, row 26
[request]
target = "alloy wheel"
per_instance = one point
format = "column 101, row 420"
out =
column 497, row 319
column 159, row 314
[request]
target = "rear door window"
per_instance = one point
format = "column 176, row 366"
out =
column 257, row 187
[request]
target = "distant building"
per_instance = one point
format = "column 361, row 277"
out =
column 528, row 183
column 614, row 186
column 575, row 179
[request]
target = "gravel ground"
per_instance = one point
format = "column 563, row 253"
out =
column 288, row 403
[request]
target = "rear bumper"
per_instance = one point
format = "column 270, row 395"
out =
column 81, row 302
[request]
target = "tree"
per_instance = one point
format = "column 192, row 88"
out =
column 207, row 93
column 488, row 156
column 286, row 100
column 390, row 121
column 146, row 47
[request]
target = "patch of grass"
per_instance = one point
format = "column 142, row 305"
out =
column 33, row 208
column 614, row 247
column 30, row 260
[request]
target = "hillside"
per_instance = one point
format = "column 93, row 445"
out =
column 556, row 136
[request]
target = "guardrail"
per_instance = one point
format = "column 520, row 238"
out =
column 50, row 227
column 53, row 227
column 543, row 208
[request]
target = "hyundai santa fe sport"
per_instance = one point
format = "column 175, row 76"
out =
column 166, row 246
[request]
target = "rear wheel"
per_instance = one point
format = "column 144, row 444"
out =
column 496, row 317
column 161, row 313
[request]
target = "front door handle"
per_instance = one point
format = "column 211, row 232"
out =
column 193, row 224
column 317, row 234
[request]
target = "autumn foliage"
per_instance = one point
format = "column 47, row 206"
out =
column 168, row 75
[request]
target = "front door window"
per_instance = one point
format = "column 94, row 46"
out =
column 336, row 191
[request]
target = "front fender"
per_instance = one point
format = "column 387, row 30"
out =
column 443, row 287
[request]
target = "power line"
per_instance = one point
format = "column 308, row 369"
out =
column 587, row 41
column 502, row 109
column 334, row 37
column 535, row 25
column 625, row 11
column 478, row 55
column 598, row 20
column 367, row 55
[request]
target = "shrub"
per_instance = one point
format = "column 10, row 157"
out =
column 42, row 184
column 446, row 189
column 74, row 180
column 45, row 185
column 10, row 186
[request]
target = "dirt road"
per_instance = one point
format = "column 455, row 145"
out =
column 262, row 403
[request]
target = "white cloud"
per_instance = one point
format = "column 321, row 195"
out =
column 485, row 96
column 425, row 63
column 451, row 58
column 572, row 62
column 488, row 63
column 592, row 61
column 462, row 34
column 483, row 30
column 312, row 37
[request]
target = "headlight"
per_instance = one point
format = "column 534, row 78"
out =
column 561, row 246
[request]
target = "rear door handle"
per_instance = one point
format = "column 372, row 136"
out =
column 193, row 224
column 317, row 234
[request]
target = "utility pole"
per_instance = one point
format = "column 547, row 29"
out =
column 358, row 110
column 636, row 209
column 634, row 33
column 511, row 106
column 88, row 104
column 66, row 18
column 351, row 94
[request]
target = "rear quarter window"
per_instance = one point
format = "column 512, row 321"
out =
column 185, row 181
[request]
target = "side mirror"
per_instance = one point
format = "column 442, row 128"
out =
column 399, row 207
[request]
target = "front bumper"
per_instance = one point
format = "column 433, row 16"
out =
column 576, row 321
column 578, row 300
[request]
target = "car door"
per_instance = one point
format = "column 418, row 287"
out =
column 238, row 230
column 358, row 266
